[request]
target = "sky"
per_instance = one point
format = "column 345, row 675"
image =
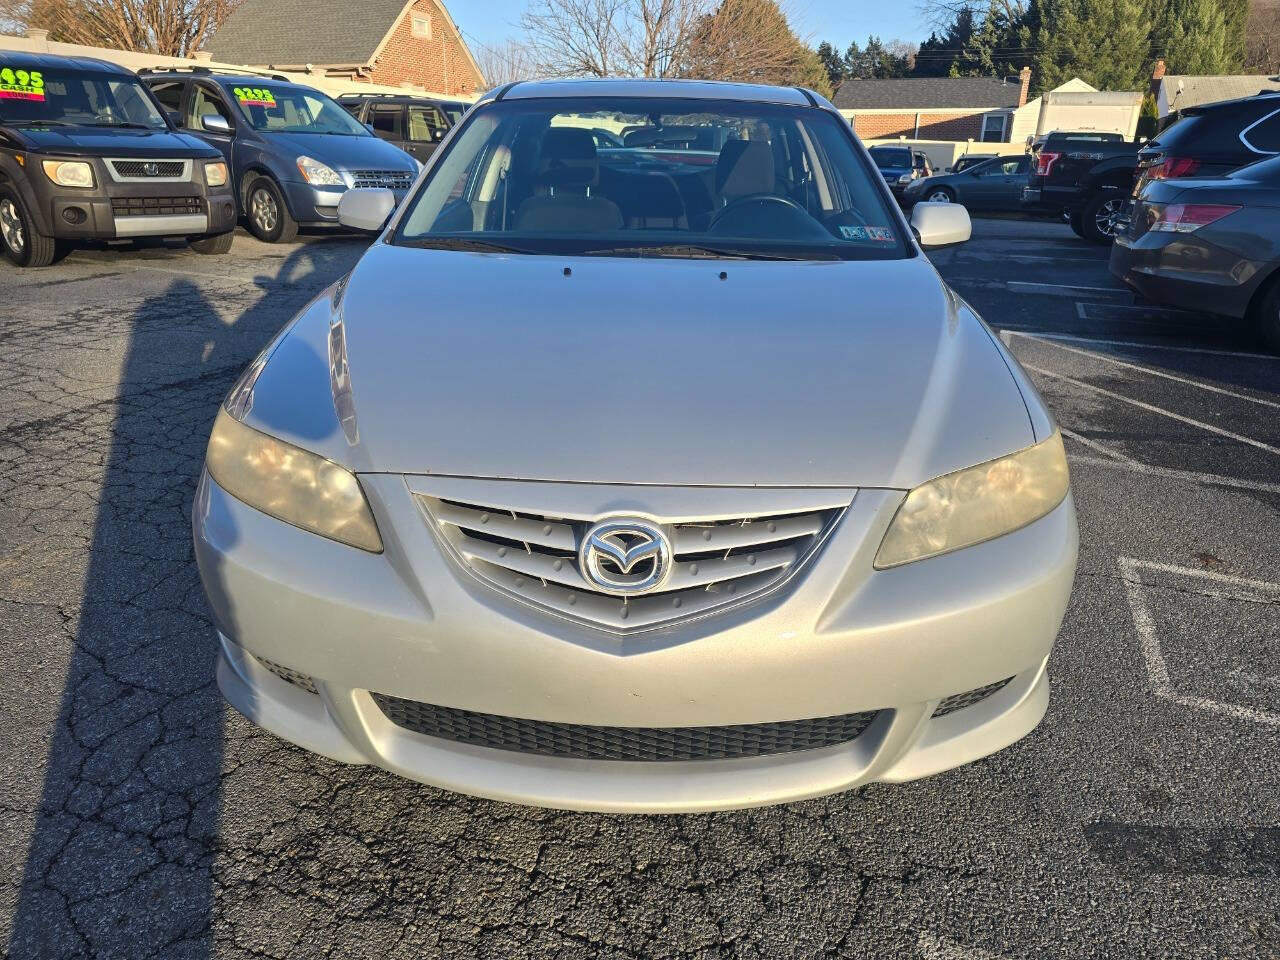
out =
column 490, row 22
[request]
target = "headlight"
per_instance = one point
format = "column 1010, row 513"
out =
column 290, row 484
column 215, row 174
column 976, row 504
column 313, row 171
column 905, row 178
column 69, row 173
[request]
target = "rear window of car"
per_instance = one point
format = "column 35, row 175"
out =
column 725, row 177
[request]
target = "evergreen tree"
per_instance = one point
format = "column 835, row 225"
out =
column 1104, row 42
column 938, row 55
column 1197, row 36
column 832, row 63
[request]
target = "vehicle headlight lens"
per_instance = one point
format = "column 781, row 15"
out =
column 976, row 504
column 215, row 174
column 313, row 171
column 69, row 173
column 290, row 484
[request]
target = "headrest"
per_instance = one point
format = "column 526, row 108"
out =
column 744, row 167
column 568, row 158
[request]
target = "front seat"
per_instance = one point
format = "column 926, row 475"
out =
column 568, row 171
column 743, row 169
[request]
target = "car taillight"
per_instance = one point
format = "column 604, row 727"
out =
column 1171, row 168
column 1045, row 162
column 1185, row 217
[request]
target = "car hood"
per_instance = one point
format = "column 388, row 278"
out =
column 91, row 141
column 894, row 171
column 654, row 371
column 344, row 152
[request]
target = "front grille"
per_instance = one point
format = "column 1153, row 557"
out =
column 297, row 678
column 155, row 206
column 150, row 169
column 958, row 701
column 714, row 562
column 390, row 179
column 621, row 743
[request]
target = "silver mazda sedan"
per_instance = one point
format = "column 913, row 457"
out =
column 643, row 463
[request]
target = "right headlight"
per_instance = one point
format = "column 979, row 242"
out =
column 976, row 504
column 69, row 173
column 290, row 484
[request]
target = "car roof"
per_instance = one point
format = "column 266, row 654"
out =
column 220, row 76
column 50, row 61
column 641, row 87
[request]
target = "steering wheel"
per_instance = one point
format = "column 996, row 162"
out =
column 768, row 208
column 763, row 198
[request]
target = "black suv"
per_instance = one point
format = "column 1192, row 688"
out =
column 87, row 153
column 415, row 124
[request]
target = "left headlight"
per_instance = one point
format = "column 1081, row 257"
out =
column 290, row 484
column 69, row 173
column 977, row 504
column 215, row 174
column 315, row 172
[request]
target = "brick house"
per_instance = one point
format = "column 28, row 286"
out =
column 934, row 108
column 399, row 43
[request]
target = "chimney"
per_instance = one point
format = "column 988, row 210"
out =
column 1158, row 72
column 1024, row 75
column 201, row 56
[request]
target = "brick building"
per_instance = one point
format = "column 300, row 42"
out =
column 409, row 43
column 934, row 108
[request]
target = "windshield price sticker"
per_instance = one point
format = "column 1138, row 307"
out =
column 255, row 96
column 21, row 84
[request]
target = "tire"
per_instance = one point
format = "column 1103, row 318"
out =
column 1266, row 317
column 1098, row 212
column 213, row 244
column 22, row 241
column 939, row 195
column 268, row 217
column 1077, row 225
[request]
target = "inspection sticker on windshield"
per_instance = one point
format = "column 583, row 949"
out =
column 255, row 96
column 21, row 84
column 875, row 234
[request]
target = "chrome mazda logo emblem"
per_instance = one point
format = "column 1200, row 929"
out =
column 151, row 169
column 625, row 556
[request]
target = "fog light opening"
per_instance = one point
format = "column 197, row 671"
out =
column 74, row 216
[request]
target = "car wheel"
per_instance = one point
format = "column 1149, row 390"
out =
column 1098, row 218
column 1077, row 225
column 1267, row 318
column 940, row 195
column 268, row 217
column 217, row 243
column 23, row 243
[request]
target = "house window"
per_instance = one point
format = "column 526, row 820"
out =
column 993, row 125
column 422, row 27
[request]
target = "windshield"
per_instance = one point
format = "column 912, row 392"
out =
column 886, row 159
column 669, row 177
column 80, row 97
column 276, row 109
column 453, row 109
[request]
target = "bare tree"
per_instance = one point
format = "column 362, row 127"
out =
column 749, row 41
column 1263, row 42
column 172, row 28
column 942, row 13
column 505, row 64
column 603, row 38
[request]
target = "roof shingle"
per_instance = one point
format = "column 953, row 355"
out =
column 294, row 32
column 915, row 93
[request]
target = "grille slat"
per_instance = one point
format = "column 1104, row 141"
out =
column 289, row 675
column 390, row 179
column 714, row 563
column 155, row 206
column 653, row 744
column 958, row 701
column 163, row 169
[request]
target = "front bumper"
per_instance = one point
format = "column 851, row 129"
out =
column 161, row 210
column 842, row 638
column 1187, row 271
column 314, row 205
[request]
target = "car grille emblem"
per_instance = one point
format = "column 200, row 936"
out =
column 625, row 556
column 151, row 169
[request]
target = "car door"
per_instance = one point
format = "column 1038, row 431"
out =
column 990, row 185
column 387, row 120
column 427, row 126
column 206, row 100
column 1017, row 174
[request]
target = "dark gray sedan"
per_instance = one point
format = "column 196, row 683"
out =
column 994, row 184
column 1209, row 244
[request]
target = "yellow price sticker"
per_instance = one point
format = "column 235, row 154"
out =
column 255, row 96
column 21, row 84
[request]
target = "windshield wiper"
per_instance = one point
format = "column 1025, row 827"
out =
column 699, row 251
column 462, row 243
column 36, row 123
column 127, row 124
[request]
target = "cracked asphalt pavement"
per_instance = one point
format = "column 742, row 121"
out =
column 141, row 817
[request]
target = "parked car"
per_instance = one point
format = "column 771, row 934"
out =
column 1212, row 139
column 1209, row 244
column 995, row 184
column 87, row 154
column 1088, row 177
column 900, row 165
column 413, row 123
column 618, row 500
column 967, row 161
column 292, row 150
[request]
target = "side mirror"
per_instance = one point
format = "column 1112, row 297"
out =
column 366, row 209
column 214, row 123
column 941, row 224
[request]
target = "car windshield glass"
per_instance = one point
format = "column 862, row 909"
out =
column 886, row 159
column 672, row 178
column 80, row 97
column 277, row 109
column 453, row 109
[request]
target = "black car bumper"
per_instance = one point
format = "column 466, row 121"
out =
column 118, row 212
column 1187, row 270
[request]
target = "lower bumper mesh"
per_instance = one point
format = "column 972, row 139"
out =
column 621, row 743
column 958, row 701
column 288, row 674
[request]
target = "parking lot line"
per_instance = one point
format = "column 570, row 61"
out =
column 1098, row 447
column 1121, row 463
column 1155, row 373
column 1144, row 344
column 1152, row 408
column 1065, row 289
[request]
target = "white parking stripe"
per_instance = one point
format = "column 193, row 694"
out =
column 1094, row 355
column 1100, row 448
column 1144, row 344
column 1190, row 476
column 1159, row 410
column 1027, row 286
